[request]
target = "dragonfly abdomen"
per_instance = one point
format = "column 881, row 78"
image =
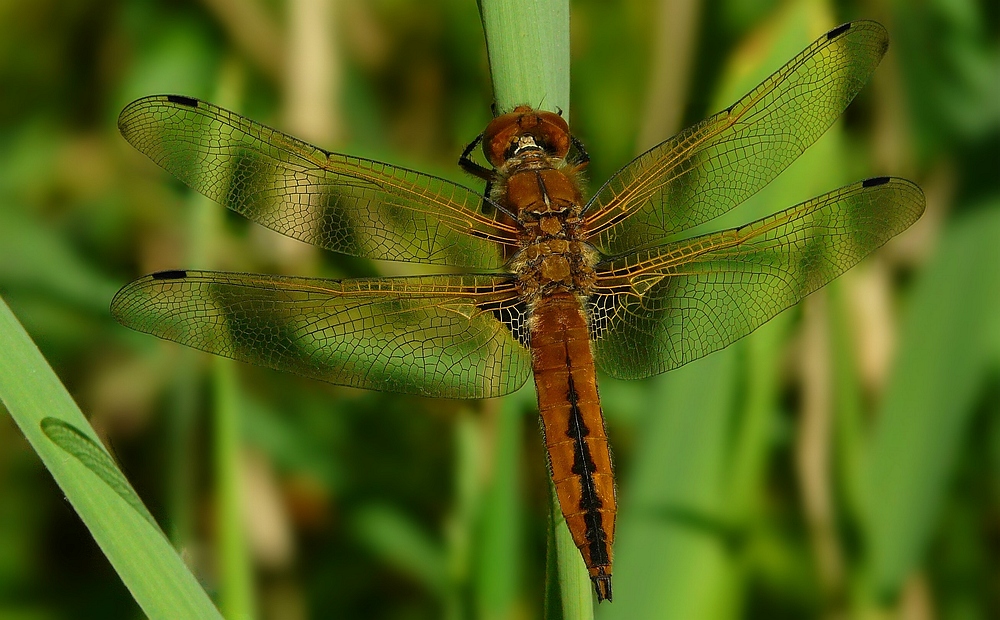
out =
column 573, row 425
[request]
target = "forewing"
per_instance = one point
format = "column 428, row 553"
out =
column 713, row 166
column 446, row 336
column 345, row 204
column 667, row 306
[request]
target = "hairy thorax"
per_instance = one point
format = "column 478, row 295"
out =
column 544, row 192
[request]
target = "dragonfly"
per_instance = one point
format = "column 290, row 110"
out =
column 551, row 286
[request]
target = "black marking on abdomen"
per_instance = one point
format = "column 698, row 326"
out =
column 171, row 274
column 583, row 467
column 190, row 102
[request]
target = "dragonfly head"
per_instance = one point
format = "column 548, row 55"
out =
column 525, row 128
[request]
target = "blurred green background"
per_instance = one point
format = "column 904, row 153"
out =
column 843, row 461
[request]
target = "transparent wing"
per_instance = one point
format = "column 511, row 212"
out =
column 713, row 166
column 341, row 203
column 447, row 336
column 667, row 306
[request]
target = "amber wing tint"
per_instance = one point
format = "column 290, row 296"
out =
column 669, row 305
column 341, row 203
column 709, row 168
column 447, row 336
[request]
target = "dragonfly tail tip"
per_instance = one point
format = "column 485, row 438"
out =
column 602, row 584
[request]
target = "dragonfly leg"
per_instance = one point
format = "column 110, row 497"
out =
column 477, row 170
column 487, row 201
column 487, row 174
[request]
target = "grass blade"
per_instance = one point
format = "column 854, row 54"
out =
column 941, row 368
column 53, row 424
column 500, row 544
column 575, row 587
column 236, row 587
column 528, row 45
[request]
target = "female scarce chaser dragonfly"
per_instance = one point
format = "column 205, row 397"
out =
column 555, row 285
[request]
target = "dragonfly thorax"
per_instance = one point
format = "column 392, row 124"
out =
column 536, row 183
column 555, row 265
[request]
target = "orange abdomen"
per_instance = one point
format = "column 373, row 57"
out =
column 579, row 456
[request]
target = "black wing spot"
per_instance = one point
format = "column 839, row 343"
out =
column 171, row 274
column 874, row 181
column 190, row 102
column 839, row 30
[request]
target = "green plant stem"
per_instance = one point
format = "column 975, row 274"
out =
column 528, row 45
column 575, row 588
column 459, row 527
column 236, row 587
column 756, row 419
column 236, row 575
column 498, row 577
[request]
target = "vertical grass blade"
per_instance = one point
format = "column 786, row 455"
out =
column 575, row 588
column 460, row 525
column 236, row 592
column 528, row 46
column 53, row 424
column 501, row 540
column 941, row 367
column 237, row 599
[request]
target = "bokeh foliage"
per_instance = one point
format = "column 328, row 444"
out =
column 843, row 459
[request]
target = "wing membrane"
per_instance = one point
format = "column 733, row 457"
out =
column 713, row 166
column 447, row 336
column 346, row 204
column 667, row 306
